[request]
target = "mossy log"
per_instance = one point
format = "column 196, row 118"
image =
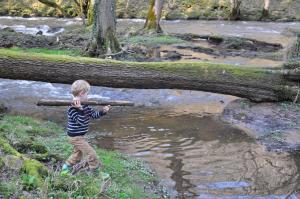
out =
column 256, row 84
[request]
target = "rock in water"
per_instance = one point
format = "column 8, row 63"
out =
column 39, row 32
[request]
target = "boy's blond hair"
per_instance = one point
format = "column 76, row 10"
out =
column 78, row 86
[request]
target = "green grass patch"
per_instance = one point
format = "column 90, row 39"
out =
column 128, row 174
column 153, row 40
column 47, row 51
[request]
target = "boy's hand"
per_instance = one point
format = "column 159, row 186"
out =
column 106, row 108
column 77, row 103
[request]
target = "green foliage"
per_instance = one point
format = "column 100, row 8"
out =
column 29, row 182
column 34, row 168
column 7, row 149
column 7, row 189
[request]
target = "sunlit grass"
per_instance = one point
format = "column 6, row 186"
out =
column 128, row 174
column 47, row 51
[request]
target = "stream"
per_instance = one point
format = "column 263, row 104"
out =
column 179, row 134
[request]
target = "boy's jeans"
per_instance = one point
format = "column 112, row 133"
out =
column 82, row 147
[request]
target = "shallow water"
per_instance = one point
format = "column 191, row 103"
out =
column 179, row 134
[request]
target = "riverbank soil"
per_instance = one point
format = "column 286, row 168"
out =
column 276, row 125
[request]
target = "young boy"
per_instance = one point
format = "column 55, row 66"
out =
column 78, row 123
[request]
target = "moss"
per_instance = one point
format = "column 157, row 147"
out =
column 194, row 69
column 33, row 167
column 151, row 18
column 7, row 148
column 47, row 51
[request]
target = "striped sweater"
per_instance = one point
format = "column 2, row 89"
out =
column 78, row 120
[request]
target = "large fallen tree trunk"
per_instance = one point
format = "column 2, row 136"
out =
column 252, row 83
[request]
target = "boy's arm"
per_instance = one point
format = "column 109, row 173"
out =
column 76, row 116
column 96, row 114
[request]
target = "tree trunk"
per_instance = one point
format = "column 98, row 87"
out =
column 265, row 12
column 103, row 38
column 235, row 11
column 252, row 83
column 54, row 5
column 154, row 16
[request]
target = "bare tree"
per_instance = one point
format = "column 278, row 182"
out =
column 154, row 15
column 103, row 37
column 235, row 11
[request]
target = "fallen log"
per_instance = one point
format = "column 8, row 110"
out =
column 256, row 84
column 45, row 102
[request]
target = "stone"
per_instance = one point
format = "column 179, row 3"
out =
column 39, row 32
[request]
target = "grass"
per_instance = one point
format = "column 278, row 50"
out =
column 47, row 51
column 153, row 40
column 128, row 175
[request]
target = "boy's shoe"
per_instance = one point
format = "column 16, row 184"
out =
column 104, row 176
column 66, row 169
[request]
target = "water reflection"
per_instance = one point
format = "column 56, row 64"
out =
column 202, row 157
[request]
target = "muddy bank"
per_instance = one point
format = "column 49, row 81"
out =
column 275, row 125
column 10, row 38
column 172, row 47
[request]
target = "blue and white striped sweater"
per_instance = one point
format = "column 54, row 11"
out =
column 78, row 120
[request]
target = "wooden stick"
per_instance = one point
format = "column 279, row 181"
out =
column 45, row 102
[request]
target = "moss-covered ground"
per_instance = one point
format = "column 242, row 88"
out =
column 34, row 171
